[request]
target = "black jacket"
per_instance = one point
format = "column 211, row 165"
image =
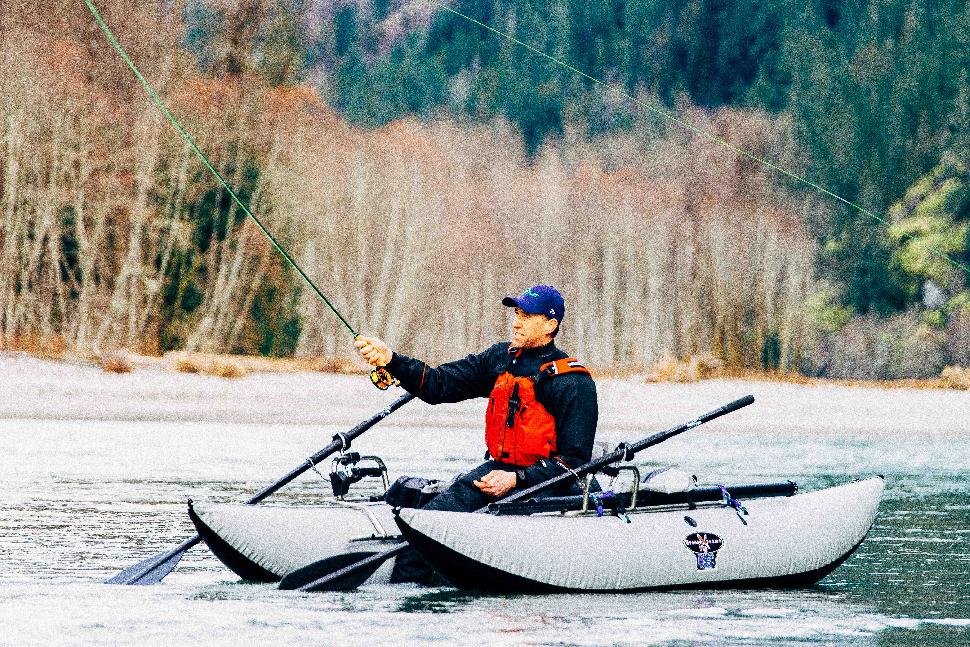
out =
column 570, row 398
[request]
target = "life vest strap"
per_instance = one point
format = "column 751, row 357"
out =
column 562, row 366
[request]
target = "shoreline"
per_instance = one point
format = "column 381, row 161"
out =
column 237, row 366
column 45, row 389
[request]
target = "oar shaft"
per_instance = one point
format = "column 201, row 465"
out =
column 181, row 548
column 154, row 569
column 625, row 452
column 340, row 441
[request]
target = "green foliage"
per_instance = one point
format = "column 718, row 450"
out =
column 901, row 346
column 69, row 265
column 771, row 352
column 345, row 30
column 212, row 218
column 825, row 312
column 931, row 227
column 202, row 22
column 180, row 299
column 274, row 327
column 858, row 258
column 960, row 304
column 874, row 89
column 284, row 52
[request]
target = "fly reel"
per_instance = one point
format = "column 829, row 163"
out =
column 382, row 378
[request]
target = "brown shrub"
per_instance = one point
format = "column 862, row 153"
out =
column 955, row 377
column 46, row 346
column 878, row 348
column 225, row 367
column 218, row 365
column 184, row 363
column 116, row 361
column 295, row 364
column 693, row 369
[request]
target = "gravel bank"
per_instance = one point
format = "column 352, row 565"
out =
column 36, row 388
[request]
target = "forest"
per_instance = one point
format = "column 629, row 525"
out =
column 420, row 160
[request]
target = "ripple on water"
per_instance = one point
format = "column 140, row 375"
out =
column 66, row 524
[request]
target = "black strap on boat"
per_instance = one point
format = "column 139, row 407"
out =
column 598, row 497
column 621, row 513
column 344, row 441
column 628, row 452
column 691, row 504
column 646, row 500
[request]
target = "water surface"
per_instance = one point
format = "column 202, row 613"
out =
column 82, row 499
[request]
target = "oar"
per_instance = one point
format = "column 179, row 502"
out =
column 333, row 573
column 154, row 569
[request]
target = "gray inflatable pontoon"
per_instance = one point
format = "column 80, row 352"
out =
column 264, row 543
column 790, row 541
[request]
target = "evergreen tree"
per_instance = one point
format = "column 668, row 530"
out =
column 875, row 89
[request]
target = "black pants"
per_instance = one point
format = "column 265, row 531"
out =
column 462, row 496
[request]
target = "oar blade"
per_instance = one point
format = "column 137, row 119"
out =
column 149, row 571
column 309, row 574
column 154, row 569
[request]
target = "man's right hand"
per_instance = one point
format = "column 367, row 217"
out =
column 374, row 350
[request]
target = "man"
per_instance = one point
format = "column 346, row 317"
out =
column 541, row 416
column 542, row 411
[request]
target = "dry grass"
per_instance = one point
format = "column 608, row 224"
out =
column 116, row 362
column 298, row 364
column 955, row 377
column 669, row 369
column 242, row 365
column 705, row 367
column 204, row 364
column 47, row 347
column 693, row 369
column 781, row 377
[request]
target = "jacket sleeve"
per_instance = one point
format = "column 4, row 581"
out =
column 463, row 379
column 571, row 399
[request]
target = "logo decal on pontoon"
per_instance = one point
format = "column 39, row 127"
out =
column 705, row 545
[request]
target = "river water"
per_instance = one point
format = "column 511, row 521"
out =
column 81, row 499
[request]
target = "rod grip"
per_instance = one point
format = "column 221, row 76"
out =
column 728, row 408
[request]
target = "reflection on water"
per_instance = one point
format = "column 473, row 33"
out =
column 81, row 500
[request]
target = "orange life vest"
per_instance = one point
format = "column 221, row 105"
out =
column 518, row 429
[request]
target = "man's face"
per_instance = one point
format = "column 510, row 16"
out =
column 531, row 331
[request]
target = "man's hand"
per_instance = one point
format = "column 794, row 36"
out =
column 496, row 483
column 375, row 351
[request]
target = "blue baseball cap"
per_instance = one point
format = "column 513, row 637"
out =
column 539, row 299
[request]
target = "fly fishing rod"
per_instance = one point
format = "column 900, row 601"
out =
column 380, row 376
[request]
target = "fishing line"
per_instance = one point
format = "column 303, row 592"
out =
column 694, row 129
column 380, row 376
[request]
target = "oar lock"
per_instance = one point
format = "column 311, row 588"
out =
column 597, row 498
column 345, row 471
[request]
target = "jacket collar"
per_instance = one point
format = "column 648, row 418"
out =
column 541, row 351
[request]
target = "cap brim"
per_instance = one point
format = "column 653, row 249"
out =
column 512, row 302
